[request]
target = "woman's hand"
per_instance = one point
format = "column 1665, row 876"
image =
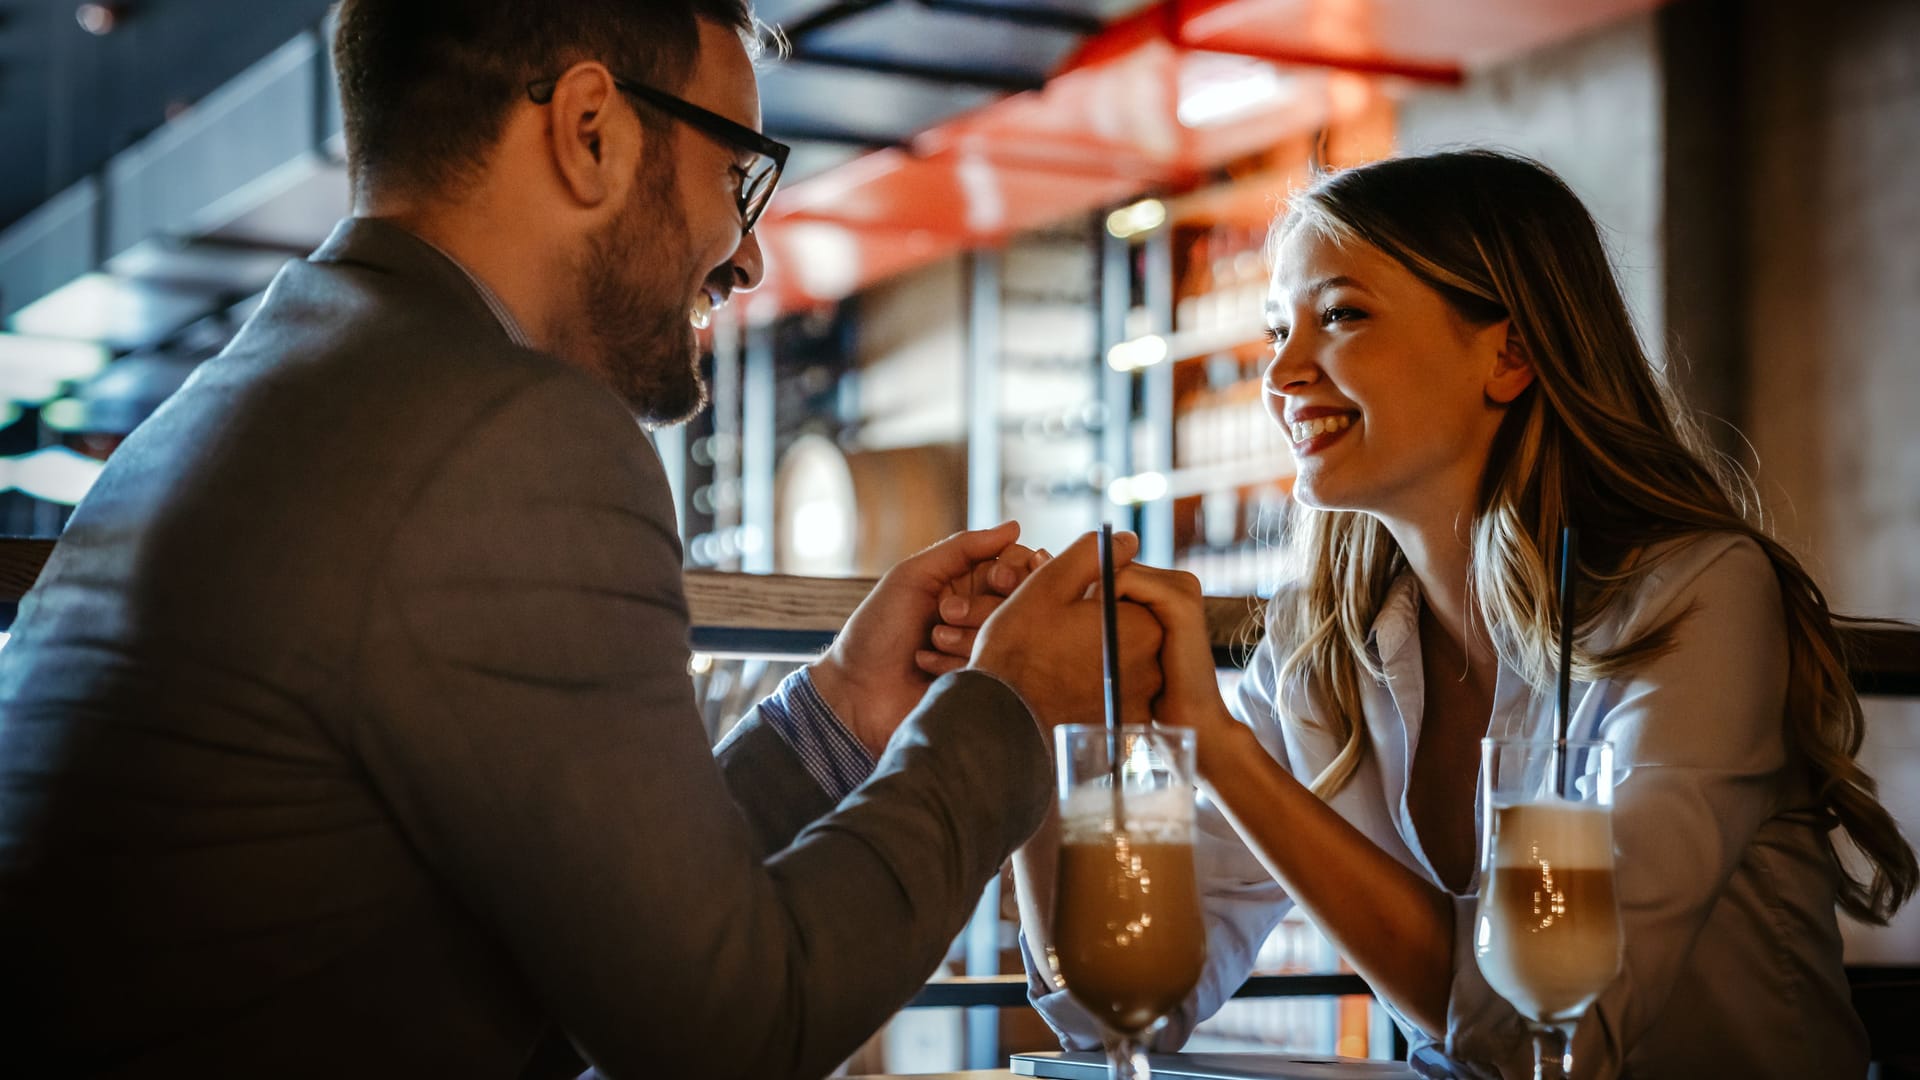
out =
column 1045, row 641
column 1393, row 925
column 1190, row 691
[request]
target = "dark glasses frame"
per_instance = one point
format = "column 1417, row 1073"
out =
column 757, row 185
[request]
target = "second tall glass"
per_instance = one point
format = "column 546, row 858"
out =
column 1548, row 932
column 1126, row 919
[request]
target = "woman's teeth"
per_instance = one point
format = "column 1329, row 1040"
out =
column 1303, row 430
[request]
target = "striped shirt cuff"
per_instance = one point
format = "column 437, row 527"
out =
column 830, row 753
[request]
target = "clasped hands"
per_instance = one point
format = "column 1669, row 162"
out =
column 981, row 600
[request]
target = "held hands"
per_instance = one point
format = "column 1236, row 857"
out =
column 1044, row 640
column 880, row 666
column 1191, row 694
column 969, row 602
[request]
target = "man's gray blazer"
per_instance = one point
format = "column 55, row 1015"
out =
column 349, row 733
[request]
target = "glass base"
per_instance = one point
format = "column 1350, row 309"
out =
column 1127, row 1053
column 1552, row 1051
column 1127, row 1060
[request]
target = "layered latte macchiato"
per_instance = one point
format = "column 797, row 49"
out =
column 1548, row 936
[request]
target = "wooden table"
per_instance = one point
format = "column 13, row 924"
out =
column 978, row 1074
column 1304, row 1065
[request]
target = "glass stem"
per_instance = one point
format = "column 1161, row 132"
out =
column 1127, row 1058
column 1552, row 1051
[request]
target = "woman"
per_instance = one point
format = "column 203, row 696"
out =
column 1460, row 379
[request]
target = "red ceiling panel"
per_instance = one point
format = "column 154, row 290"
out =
column 1154, row 101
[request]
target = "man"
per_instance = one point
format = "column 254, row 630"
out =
column 348, row 732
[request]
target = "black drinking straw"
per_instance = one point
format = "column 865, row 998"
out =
column 1569, row 551
column 1110, row 621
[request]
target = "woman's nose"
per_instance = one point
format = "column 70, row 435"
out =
column 1290, row 370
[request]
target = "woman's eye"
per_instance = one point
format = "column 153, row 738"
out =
column 1276, row 335
column 1341, row 314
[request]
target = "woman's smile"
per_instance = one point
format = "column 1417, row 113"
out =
column 1316, row 429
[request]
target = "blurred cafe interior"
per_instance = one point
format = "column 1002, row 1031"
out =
column 1015, row 270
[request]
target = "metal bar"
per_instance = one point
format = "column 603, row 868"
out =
column 750, row 641
column 1115, row 284
column 1156, row 525
column 759, row 431
column 984, row 508
column 1172, row 21
column 827, row 16
column 239, row 245
column 791, row 133
column 1278, row 986
column 930, row 73
column 1413, row 70
column 1010, row 991
column 323, row 80
column 984, row 468
column 983, row 960
column 726, row 384
column 670, row 442
column 1037, row 18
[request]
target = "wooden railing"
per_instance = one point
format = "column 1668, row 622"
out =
column 779, row 615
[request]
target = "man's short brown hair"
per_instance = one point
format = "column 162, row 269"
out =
column 425, row 85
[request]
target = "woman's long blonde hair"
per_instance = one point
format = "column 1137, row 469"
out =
column 1598, row 442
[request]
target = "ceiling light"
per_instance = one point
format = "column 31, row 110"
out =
column 53, row 474
column 1138, row 353
column 1144, row 487
column 1143, row 216
column 101, row 19
column 1227, row 89
column 51, row 357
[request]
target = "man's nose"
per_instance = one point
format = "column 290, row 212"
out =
column 747, row 265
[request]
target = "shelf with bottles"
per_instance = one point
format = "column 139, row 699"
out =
column 1230, row 538
column 1223, row 435
column 1221, row 299
column 1222, row 423
column 1233, row 469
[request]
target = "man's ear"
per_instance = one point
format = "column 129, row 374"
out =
column 1512, row 368
column 594, row 145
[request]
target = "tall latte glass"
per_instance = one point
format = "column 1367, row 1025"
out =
column 1548, row 932
column 1126, row 917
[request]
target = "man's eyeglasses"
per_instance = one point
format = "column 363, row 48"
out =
column 758, row 177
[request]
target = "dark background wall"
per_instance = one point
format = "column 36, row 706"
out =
column 1831, row 128
column 69, row 100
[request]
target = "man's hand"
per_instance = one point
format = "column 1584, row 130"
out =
column 969, row 603
column 1045, row 641
column 880, row 666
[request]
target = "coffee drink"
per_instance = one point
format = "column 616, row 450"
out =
column 1548, row 933
column 1127, row 927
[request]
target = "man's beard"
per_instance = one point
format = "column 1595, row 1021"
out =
column 636, row 317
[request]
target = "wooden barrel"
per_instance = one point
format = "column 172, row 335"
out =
column 839, row 512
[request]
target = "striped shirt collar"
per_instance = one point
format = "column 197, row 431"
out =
column 511, row 325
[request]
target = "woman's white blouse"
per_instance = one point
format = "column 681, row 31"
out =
column 1732, row 948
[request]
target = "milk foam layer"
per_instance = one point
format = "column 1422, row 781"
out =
column 1152, row 817
column 1571, row 835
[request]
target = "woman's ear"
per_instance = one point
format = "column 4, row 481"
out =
column 1512, row 369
